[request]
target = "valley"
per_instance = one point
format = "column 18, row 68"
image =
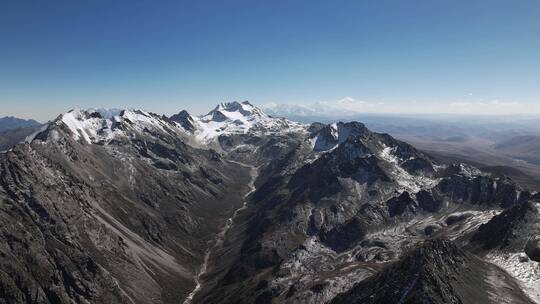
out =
column 220, row 237
column 237, row 206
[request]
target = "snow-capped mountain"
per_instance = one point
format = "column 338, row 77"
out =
column 237, row 206
column 91, row 126
column 234, row 118
column 185, row 120
column 227, row 119
column 332, row 135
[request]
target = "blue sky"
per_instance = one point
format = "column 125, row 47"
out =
column 164, row 56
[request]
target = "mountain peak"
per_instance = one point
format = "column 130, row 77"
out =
column 234, row 105
column 327, row 137
column 234, row 111
column 235, row 117
column 185, row 120
column 11, row 123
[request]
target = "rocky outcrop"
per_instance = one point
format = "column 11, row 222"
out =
column 185, row 120
column 532, row 248
column 501, row 230
column 435, row 272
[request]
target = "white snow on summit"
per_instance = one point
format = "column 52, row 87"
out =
column 407, row 181
column 240, row 118
column 92, row 126
column 102, row 125
column 83, row 125
column 327, row 141
column 106, row 113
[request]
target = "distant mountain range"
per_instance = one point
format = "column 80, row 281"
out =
column 12, row 123
column 434, row 125
column 13, row 130
column 526, row 148
column 507, row 144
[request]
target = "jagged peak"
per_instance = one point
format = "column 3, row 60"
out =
column 328, row 137
column 185, row 120
column 72, row 116
column 182, row 115
column 234, row 105
column 106, row 113
column 234, row 111
column 98, row 125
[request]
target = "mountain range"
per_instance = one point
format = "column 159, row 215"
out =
column 13, row 130
column 12, row 123
column 496, row 143
column 526, row 148
column 239, row 206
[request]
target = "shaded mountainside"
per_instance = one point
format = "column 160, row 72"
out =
column 482, row 154
column 436, row 272
column 511, row 240
column 9, row 138
column 359, row 199
column 14, row 130
column 237, row 206
column 516, row 223
column 13, row 123
column 525, row 148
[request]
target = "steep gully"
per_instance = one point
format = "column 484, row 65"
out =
column 220, row 237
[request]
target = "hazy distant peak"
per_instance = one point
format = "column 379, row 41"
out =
column 345, row 107
column 12, row 123
column 288, row 110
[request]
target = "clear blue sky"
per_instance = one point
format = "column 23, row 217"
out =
column 164, row 56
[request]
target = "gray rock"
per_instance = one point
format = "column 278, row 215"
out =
column 532, row 248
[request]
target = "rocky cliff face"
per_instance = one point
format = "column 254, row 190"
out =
column 136, row 207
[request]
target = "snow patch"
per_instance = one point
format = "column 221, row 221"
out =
column 405, row 180
column 339, row 133
column 527, row 273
